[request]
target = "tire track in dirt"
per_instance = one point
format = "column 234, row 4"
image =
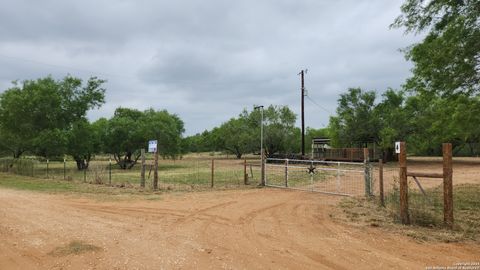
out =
column 251, row 229
column 278, row 236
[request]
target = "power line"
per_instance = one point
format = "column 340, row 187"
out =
column 60, row 66
column 318, row 105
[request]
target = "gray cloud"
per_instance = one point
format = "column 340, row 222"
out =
column 207, row 60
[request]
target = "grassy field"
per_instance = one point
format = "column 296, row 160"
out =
column 193, row 172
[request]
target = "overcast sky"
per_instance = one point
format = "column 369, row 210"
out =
column 207, row 60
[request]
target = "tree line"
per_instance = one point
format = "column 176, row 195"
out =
column 47, row 118
column 440, row 101
column 241, row 135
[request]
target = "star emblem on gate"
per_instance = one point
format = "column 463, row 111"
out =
column 311, row 169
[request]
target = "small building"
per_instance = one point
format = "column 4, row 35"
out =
column 321, row 150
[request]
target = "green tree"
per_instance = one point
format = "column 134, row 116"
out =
column 447, row 60
column 35, row 115
column 166, row 128
column 356, row 122
column 280, row 133
column 395, row 121
column 236, row 136
column 83, row 141
column 129, row 130
column 439, row 119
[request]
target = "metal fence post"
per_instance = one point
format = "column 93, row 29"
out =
column 380, row 180
column 47, row 168
column 338, row 176
column 110, row 171
column 213, row 172
column 262, row 160
column 368, row 180
column 286, row 172
column 64, row 168
column 447, row 185
column 311, row 176
column 84, row 171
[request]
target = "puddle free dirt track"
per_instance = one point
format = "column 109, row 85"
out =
column 246, row 229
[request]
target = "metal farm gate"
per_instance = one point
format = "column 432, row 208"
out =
column 331, row 177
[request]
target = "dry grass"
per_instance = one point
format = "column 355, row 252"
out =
column 74, row 247
column 427, row 220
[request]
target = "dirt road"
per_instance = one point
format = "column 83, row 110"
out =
column 250, row 229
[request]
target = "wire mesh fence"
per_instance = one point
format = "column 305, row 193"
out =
column 340, row 178
column 18, row 166
column 181, row 175
column 425, row 196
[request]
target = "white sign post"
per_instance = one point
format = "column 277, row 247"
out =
column 152, row 146
column 397, row 147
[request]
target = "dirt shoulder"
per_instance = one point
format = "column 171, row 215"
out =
column 243, row 229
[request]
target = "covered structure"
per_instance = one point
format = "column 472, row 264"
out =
column 321, row 150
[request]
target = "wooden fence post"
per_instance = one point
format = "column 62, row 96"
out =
column 213, row 172
column 402, row 159
column 142, row 173
column 368, row 181
column 447, row 185
column 245, row 175
column 380, row 182
column 155, row 171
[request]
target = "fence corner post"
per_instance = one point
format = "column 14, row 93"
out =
column 447, row 185
column 402, row 160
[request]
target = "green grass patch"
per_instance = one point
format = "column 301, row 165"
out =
column 35, row 184
column 60, row 186
column 74, row 247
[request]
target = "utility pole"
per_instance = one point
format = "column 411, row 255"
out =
column 262, row 152
column 302, row 74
